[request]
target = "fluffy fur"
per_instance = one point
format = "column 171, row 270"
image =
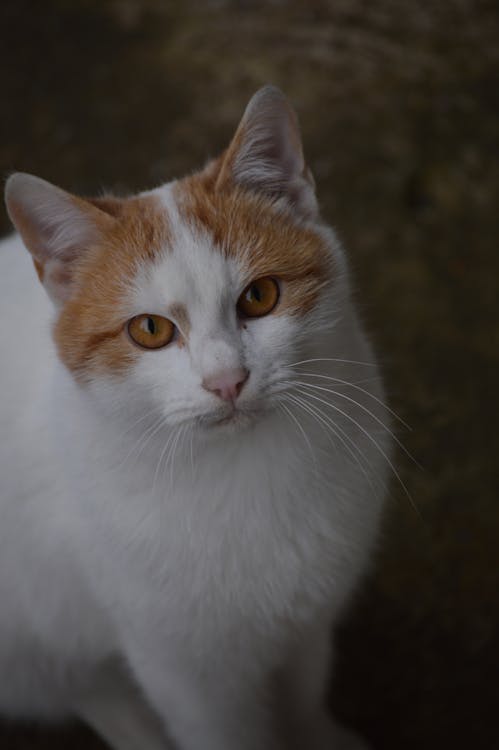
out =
column 172, row 564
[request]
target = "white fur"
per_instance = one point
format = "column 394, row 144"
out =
column 206, row 573
column 163, row 574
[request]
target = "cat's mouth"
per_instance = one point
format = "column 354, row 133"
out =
column 229, row 419
column 232, row 417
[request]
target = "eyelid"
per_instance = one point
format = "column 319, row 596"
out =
column 251, row 280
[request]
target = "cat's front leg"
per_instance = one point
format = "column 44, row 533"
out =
column 209, row 707
column 301, row 689
column 225, row 711
column 116, row 709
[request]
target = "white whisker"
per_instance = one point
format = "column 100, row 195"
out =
column 191, row 451
column 143, row 440
column 140, row 419
column 360, row 406
column 335, row 429
column 167, row 445
column 305, row 436
column 171, row 457
column 333, row 359
column 369, row 437
column 357, row 387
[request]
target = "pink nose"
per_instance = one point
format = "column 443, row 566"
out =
column 226, row 384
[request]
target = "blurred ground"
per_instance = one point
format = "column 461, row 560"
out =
column 399, row 103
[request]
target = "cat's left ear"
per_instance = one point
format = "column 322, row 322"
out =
column 266, row 154
column 56, row 227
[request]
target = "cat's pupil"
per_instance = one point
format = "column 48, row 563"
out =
column 150, row 326
column 256, row 294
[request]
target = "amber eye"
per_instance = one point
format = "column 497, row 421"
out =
column 151, row 331
column 259, row 298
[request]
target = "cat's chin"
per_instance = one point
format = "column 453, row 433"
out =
column 230, row 422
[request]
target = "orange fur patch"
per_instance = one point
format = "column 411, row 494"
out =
column 267, row 242
column 178, row 313
column 39, row 268
column 89, row 332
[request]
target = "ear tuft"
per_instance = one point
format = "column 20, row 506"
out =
column 266, row 153
column 55, row 226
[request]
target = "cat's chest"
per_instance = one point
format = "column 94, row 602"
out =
column 253, row 525
column 244, row 540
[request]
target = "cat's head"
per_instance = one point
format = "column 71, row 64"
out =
column 191, row 299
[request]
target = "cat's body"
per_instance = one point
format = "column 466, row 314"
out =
column 208, row 554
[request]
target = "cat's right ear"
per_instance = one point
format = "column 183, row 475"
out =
column 55, row 226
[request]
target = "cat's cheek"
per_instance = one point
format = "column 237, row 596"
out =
column 163, row 380
column 269, row 344
column 113, row 395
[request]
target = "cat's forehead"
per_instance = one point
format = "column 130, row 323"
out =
column 190, row 268
column 218, row 243
column 185, row 251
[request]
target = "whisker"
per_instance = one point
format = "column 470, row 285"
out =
column 141, row 443
column 369, row 437
column 305, row 436
column 140, row 419
column 171, row 457
column 191, row 447
column 172, row 441
column 357, row 387
column 333, row 359
column 331, row 425
column 364, row 408
column 168, row 442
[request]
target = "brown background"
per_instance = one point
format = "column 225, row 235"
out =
column 399, row 103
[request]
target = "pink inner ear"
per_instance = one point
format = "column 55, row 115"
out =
column 55, row 227
column 52, row 222
column 266, row 153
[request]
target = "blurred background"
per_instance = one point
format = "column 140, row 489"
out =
column 399, row 105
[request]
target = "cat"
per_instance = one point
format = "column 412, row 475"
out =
column 195, row 445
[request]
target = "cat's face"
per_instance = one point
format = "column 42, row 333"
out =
column 193, row 299
column 194, row 303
